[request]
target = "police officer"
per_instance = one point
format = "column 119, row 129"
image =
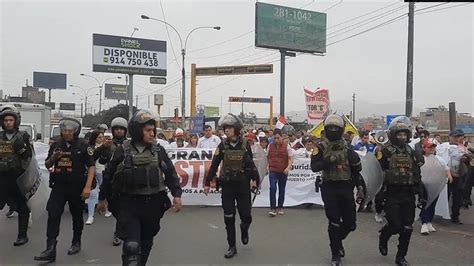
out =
column 402, row 181
column 73, row 170
column 141, row 172
column 238, row 170
column 15, row 150
column 104, row 153
column 341, row 172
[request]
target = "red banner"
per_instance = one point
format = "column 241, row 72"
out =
column 317, row 105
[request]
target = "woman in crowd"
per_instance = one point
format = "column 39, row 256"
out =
column 96, row 140
column 193, row 141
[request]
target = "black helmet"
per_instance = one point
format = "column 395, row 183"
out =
column 334, row 127
column 231, row 120
column 138, row 121
column 13, row 111
column 395, row 128
column 70, row 123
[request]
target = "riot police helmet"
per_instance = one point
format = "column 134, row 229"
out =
column 10, row 110
column 231, row 120
column 138, row 121
column 288, row 130
column 334, row 127
column 102, row 127
column 119, row 122
column 70, row 123
column 396, row 128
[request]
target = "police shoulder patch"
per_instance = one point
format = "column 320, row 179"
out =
column 217, row 151
column 379, row 155
column 315, row 151
column 90, row 151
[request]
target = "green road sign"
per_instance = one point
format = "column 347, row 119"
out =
column 292, row 29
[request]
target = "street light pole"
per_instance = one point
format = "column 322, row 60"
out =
column 100, row 100
column 243, row 93
column 183, row 54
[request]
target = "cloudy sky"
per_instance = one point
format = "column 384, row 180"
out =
column 56, row 36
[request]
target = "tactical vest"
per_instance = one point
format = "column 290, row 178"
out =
column 401, row 163
column 9, row 161
column 277, row 158
column 340, row 170
column 140, row 173
column 234, row 163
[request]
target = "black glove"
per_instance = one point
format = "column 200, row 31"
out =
column 317, row 184
column 360, row 195
column 422, row 196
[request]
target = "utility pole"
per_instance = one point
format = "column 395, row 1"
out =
column 100, row 100
column 409, row 86
column 353, row 108
column 82, row 106
column 136, row 101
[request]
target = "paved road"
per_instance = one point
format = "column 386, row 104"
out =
column 197, row 236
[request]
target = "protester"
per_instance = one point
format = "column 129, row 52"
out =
column 193, row 141
column 179, row 140
column 264, row 143
column 161, row 138
column 280, row 160
column 96, row 140
column 427, row 214
column 455, row 189
column 364, row 143
column 209, row 140
column 307, row 149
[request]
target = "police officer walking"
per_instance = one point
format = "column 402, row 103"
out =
column 402, row 181
column 341, row 173
column 15, row 150
column 73, row 170
column 140, row 170
column 238, row 171
column 104, row 153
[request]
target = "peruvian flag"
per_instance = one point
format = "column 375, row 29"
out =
column 281, row 122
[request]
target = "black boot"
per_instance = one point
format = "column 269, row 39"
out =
column 401, row 261
column 22, row 238
column 336, row 260
column 383, row 241
column 117, row 241
column 342, row 252
column 232, row 251
column 49, row 254
column 75, row 248
column 131, row 260
column 403, row 242
column 244, row 231
column 145, row 250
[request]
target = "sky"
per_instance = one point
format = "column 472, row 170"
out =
column 56, row 36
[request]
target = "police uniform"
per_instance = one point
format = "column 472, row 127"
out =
column 105, row 154
column 67, row 180
column 341, row 172
column 401, row 182
column 138, row 185
column 237, row 171
column 15, row 150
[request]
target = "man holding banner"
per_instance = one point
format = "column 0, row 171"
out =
column 238, row 170
column 15, row 151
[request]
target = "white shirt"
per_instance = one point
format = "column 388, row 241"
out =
column 174, row 145
column 302, row 153
column 209, row 143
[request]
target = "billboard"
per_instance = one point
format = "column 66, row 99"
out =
column 46, row 80
column 116, row 91
column 118, row 54
column 211, row 111
column 317, row 105
column 292, row 29
column 67, row 106
column 158, row 99
column 235, row 99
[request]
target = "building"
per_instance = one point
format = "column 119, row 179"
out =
column 33, row 94
column 437, row 118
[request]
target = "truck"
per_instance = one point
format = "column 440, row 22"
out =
column 38, row 115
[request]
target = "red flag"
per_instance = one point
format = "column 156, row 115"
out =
column 281, row 122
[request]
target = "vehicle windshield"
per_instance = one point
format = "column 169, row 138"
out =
column 55, row 132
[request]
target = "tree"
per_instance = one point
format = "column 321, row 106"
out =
column 106, row 116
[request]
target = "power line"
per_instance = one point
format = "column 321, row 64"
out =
column 232, row 52
column 169, row 37
column 438, row 9
column 336, row 4
column 220, row 43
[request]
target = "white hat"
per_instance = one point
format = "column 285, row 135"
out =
column 261, row 135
